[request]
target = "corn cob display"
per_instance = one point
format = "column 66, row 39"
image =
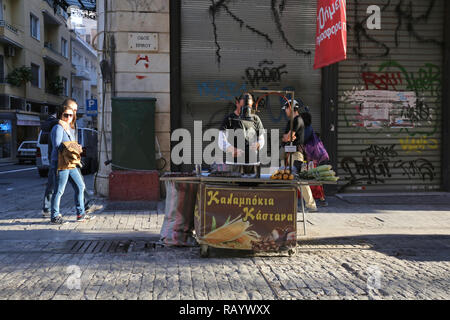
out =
column 228, row 232
column 321, row 173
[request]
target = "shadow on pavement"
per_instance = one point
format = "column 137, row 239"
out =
column 405, row 247
column 375, row 204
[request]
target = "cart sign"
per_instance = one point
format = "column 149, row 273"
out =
column 331, row 35
column 258, row 219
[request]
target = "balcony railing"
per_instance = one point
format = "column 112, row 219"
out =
column 59, row 10
column 8, row 26
column 82, row 73
column 49, row 46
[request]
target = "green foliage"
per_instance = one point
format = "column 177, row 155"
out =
column 19, row 76
column 56, row 86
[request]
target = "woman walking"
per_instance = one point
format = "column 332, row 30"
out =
column 64, row 159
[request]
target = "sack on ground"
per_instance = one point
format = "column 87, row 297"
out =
column 178, row 226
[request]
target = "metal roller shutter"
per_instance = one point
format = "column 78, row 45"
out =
column 255, row 52
column 389, row 118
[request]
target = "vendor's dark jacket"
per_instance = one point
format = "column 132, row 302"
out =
column 231, row 122
column 299, row 129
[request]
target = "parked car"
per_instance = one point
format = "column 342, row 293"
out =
column 87, row 138
column 27, row 152
column 42, row 161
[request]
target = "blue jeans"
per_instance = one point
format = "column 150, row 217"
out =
column 50, row 189
column 62, row 177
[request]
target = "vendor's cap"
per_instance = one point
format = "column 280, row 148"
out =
column 296, row 105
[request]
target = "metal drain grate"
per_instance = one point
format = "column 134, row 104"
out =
column 333, row 244
column 100, row 246
column 108, row 246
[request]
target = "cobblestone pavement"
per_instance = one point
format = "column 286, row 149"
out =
column 116, row 256
column 353, row 251
column 315, row 272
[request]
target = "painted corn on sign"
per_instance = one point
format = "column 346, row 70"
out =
column 247, row 219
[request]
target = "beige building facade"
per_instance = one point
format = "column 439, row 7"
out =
column 135, row 73
column 84, row 80
column 209, row 52
column 32, row 35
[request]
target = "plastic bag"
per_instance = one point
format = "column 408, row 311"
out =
column 315, row 150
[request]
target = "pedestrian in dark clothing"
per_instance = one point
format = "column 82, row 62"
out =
column 46, row 129
column 307, row 120
column 317, row 191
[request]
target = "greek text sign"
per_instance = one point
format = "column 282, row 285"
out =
column 331, row 35
column 143, row 42
column 259, row 219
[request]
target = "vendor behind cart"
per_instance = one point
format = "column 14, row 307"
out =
column 297, row 136
column 245, row 121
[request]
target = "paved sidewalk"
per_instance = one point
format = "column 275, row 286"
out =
column 346, row 215
column 355, row 249
column 382, row 214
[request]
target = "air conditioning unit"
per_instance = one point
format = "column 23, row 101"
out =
column 10, row 51
column 28, row 107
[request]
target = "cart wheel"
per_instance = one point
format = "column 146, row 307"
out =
column 204, row 251
column 291, row 252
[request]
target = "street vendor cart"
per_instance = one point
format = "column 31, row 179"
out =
column 232, row 209
column 255, row 214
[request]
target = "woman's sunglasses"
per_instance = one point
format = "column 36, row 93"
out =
column 67, row 115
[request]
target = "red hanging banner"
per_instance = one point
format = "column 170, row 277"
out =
column 331, row 35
